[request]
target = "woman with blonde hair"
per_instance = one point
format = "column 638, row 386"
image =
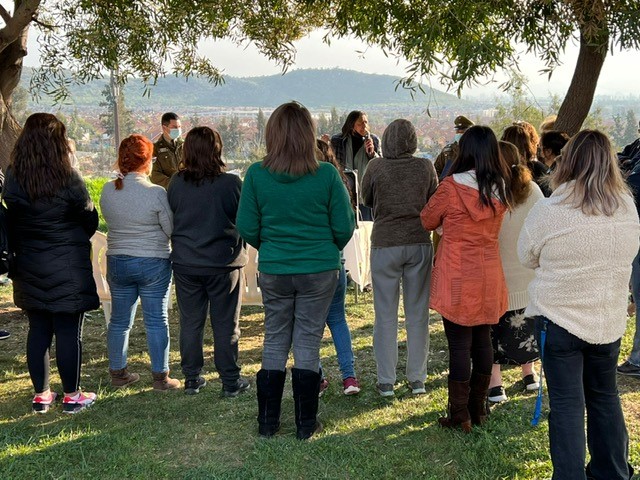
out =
column 296, row 212
column 50, row 220
column 140, row 223
column 581, row 242
column 513, row 337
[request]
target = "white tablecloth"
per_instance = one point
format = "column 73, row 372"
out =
column 356, row 254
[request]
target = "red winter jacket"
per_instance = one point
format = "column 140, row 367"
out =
column 467, row 286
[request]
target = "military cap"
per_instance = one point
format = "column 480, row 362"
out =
column 462, row 123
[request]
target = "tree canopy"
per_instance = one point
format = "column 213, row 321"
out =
column 460, row 41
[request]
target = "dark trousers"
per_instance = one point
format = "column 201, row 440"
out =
column 467, row 344
column 295, row 311
column 220, row 295
column 67, row 328
column 581, row 374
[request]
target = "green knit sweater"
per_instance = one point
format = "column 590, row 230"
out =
column 299, row 224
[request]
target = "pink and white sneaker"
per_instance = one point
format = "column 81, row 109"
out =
column 351, row 386
column 42, row 403
column 78, row 402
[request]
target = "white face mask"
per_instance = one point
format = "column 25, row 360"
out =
column 457, row 137
column 175, row 133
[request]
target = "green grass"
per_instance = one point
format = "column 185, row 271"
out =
column 94, row 186
column 138, row 433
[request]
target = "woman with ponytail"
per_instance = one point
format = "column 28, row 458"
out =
column 513, row 337
column 140, row 224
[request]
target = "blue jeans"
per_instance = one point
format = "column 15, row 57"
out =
column 295, row 312
column 149, row 279
column 579, row 375
column 337, row 322
column 634, row 357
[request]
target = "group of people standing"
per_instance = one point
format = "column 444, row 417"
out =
column 513, row 273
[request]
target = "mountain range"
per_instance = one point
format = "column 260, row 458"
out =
column 315, row 88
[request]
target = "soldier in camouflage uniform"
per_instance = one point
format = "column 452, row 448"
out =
column 167, row 150
column 450, row 151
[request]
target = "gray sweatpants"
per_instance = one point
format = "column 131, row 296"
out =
column 411, row 265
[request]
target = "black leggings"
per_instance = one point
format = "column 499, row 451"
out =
column 468, row 344
column 67, row 328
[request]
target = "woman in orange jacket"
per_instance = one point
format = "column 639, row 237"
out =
column 468, row 287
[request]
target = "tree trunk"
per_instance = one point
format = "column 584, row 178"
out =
column 9, row 131
column 577, row 103
column 10, row 71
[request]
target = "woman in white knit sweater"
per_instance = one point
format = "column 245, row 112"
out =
column 581, row 242
column 513, row 337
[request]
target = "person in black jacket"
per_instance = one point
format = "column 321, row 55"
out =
column 50, row 220
column 207, row 255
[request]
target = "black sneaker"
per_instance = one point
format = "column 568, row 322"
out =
column 4, row 334
column 192, row 386
column 242, row 385
column 628, row 368
column 497, row 394
column 531, row 382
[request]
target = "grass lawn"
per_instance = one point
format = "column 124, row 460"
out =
column 138, row 433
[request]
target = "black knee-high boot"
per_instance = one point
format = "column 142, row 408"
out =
column 306, row 386
column 270, row 385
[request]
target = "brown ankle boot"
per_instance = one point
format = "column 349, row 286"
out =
column 458, row 412
column 162, row 382
column 478, row 408
column 122, row 378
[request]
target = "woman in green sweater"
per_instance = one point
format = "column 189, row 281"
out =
column 296, row 212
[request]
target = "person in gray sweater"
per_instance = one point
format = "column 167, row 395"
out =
column 140, row 223
column 397, row 187
column 208, row 255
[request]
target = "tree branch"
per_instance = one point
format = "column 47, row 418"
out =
column 4, row 14
column 20, row 20
column 42, row 24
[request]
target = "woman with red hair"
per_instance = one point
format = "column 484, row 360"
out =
column 140, row 224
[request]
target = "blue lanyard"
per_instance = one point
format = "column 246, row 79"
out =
column 537, row 413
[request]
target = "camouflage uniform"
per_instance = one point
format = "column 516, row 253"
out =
column 448, row 155
column 168, row 156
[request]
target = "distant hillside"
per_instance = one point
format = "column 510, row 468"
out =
column 314, row 88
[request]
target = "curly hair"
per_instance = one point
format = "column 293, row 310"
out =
column 40, row 157
column 519, row 136
column 134, row 152
column 520, row 185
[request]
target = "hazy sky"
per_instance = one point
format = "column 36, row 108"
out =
column 620, row 74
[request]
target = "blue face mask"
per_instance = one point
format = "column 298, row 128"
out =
column 175, row 133
column 456, row 137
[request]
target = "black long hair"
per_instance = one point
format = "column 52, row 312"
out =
column 40, row 157
column 479, row 151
